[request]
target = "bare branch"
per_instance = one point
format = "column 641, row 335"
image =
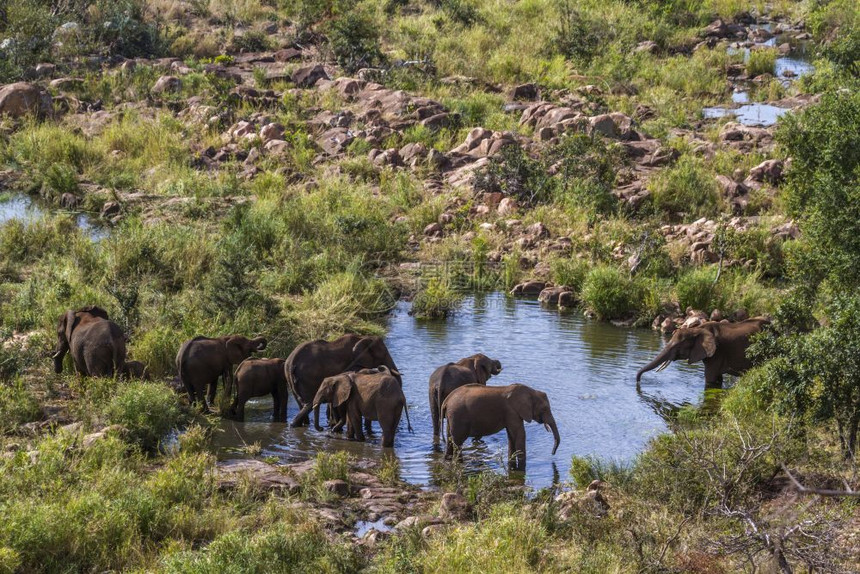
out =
column 819, row 491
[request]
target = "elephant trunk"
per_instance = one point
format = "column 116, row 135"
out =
column 58, row 360
column 550, row 422
column 666, row 356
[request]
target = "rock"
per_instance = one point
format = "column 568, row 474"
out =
column 45, row 70
column 649, row 46
column 716, row 315
column 307, row 76
column 528, row 92
column 431, row 530
column 529, row 289
column 167, row 84
column 615, row 125
column 433, row 230
column 768, row 171
column 69, row 201
column 438, row 121
column 454, row 506
column 109, row 209
column 266, row 476
column 446, row 217
column 21, row 98
column 66, row 83
column 288, row 54
column 507, row 206
column 92, row 438
column 272, row 131
column 337, row 487
column 537, row 231
column 561, row 296
column 667, row 327
column 336, row 140
column 591, row 503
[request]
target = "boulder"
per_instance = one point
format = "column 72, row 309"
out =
column 529, row 289
column 507, row 206
column 167, row 84
column 433, row 230
column 335, row 140
column 21, row 98
column 768, row 171
column 561, row 296
column 272, row 131
column 454, row 506
column 266, row 476
column 272, row 146
column 307, row 76
column 649, row 46
column 615, row 126
column 337, row 487
column 288, row 54
column 438, row 121
column 528, row 92
column 110, row 209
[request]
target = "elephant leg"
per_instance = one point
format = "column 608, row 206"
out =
column 434, row 414
column 302, row 416
column 517, row 454
column 456, row 438
column 389, row 423
column 276, row 406
column 317, row 419
column 210, row 395
column 368, row 426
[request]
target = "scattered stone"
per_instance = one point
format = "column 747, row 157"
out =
column 561, row 296
column 272, row 131
column 454, row 506
column 529, row 289
column 167, row 84
column 768, row 171
column 20, row 99
column 110, row 209
column 433, row 230
column 337, row 487
column 528, row 92
column 507, row 206
column 265, row 476
column 307, row 76
column 649, row 46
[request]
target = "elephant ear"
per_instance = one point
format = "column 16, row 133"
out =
column 236, row 350
column 482, row 370
column 342, row 391
column 364, row 344
column 69, row 323
column 522, row 401
column 704, row 346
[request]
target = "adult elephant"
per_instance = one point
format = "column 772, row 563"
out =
column 202, row 360
column 96, row 343
column 478, row 411
column 720, row 346
column 371, row 394
column 313, row 361
column 258, row 378
column 476, row 369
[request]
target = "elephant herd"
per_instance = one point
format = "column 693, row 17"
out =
column 356, row 377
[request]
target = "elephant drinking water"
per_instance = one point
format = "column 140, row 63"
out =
column 720, row 346
column 476, row 369
column 96, row 343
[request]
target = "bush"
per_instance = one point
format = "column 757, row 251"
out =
column 517, row 175
column 696, row 289
column 761, row 62
column 148, row 410
column 587, row 168
column 609, row 293
column 354, row 39
column 436, row 300
column 570, row 272
column 687, row 187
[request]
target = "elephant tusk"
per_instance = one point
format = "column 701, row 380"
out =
column 663, row 366
column 546, row 426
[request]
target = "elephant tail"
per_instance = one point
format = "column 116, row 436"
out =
column 180, row 362
column 290, row 372
column 406, row 410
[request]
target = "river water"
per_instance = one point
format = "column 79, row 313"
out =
column 586, row 367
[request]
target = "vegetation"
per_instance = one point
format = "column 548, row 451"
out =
column 208, row 232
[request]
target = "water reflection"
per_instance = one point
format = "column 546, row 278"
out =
column 587, row 369
column 23, row 208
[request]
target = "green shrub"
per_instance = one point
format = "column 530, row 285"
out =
column 354, row 39
column 609, row 293
column 148, row 410
column 587, row 168
column 687, row 187
column 761, row 62
column 696, row 289
column 517, row 175
column 570, row 272
column 436, row 300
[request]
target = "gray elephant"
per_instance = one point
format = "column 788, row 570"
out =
column 313, row 361
column 258, row 378
column 720, row 346
column 96, row 343
column 202, row 360
column 476, row 369
column 478, row 411
column 372, row 394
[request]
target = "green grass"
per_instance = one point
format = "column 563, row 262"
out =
column 608, row 293
column 761, row 62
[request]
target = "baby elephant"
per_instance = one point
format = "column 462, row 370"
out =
column 374, row 394
column 478, row 411
column 476, row 369
column 258, row 378
column 135, row 370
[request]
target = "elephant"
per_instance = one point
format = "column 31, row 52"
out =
column 96, row 343
column 476, row 369
column 720, row 346
column 313, row 361
column 374, row 394
column 258, row 378
column 479, row 410
column 202, row 360
column 135, row 370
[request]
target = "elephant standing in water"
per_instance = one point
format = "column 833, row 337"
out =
column 258, row 378
column 202, row 360
column 96, row 343
column 720, row 346
column 476, row 369
column 313, row 361
column 478, row 411
column 373, row 394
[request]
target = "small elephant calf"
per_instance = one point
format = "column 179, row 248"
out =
column 374, row 394
column 258, row 378
column 135, row 370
